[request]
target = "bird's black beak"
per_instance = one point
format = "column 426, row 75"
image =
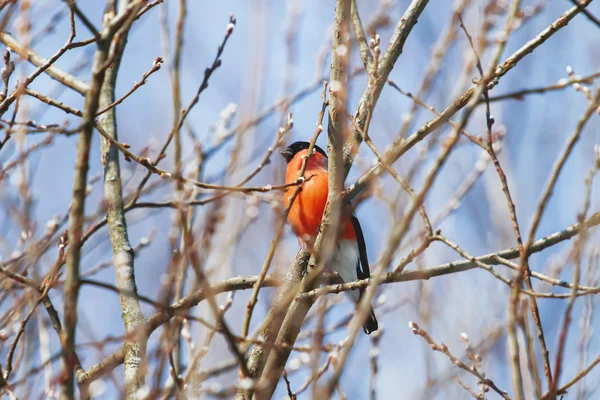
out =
column 287, row 154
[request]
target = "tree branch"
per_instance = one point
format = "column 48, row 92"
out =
column 292, row 281
column 76, row 217
column 61, row 76
column 369, row 98
column 402, row 145
column 325, row 242
column 123, row 253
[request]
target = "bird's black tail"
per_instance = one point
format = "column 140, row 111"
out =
column 371, row 323
column 363, row 273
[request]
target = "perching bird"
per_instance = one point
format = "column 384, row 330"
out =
column 350, row 259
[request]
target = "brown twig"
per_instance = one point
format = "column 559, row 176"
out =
column 540, row 210
column 562, row 84
column 242, row 283
column 371, row 94
column 400, row 146
column 444, row 350
column 184, row 113
column 577, row 256
column 587, row 13
column 279, row 232
column 155, row 67
column 44, row 66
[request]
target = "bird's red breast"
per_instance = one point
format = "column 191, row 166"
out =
column 307, row 210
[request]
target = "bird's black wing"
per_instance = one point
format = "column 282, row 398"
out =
column 364, row 272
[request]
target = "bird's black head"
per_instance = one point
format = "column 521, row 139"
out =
column 295, row 147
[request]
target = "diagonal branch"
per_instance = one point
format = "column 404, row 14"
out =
column 369, row 98
column 402, row 145
column 61, row 76
column 361, row 38
column 588, row 14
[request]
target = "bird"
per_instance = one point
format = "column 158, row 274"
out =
column 350, row 259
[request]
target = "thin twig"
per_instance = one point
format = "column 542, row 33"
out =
column 444, row 350
column 243, row 283
column 207, row 74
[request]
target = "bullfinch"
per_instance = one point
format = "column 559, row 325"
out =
column 350, row 260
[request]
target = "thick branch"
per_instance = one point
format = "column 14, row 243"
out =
column 272, row 324
column 131, row 312
column 325, row 242
column 76, row 216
